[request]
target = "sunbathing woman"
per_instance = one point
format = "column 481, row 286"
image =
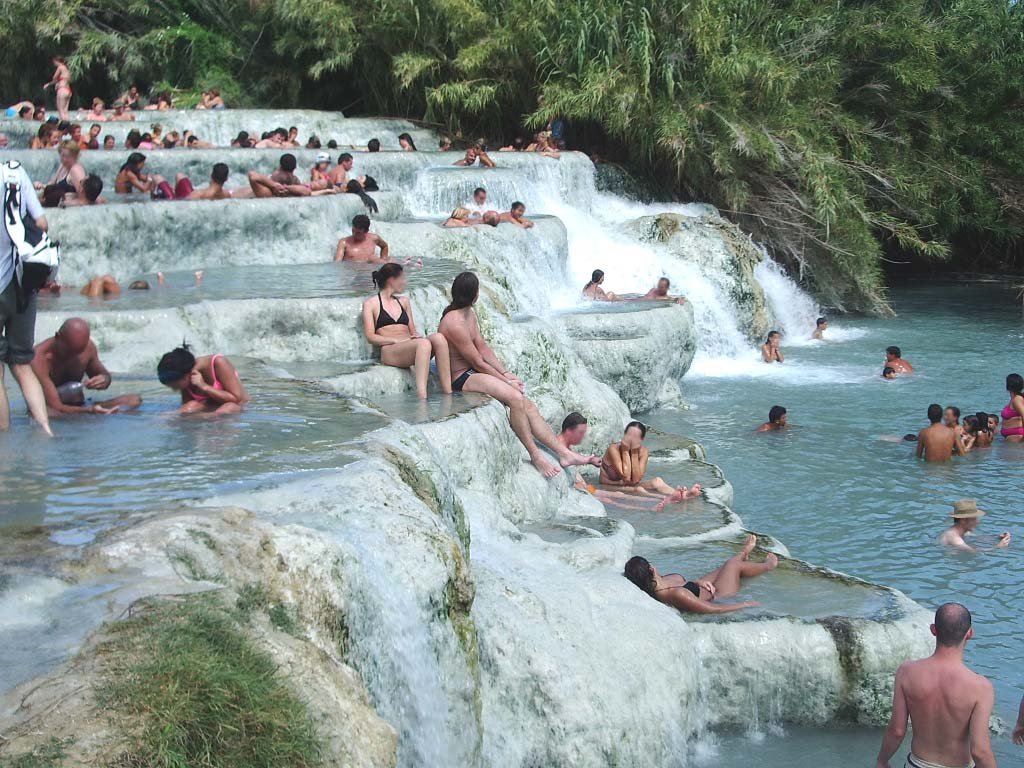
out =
column 1013, row 413
column 699, row 596
column 593, row 289
column 207, row 384
column 389, row 325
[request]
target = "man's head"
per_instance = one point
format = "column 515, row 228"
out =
column 888, row 372
column 219, row 175
column 94, row 130
column 821, row 323
column 139, row 285
column 288, row 162
column 291, row 133
column 634, row 434
column 951, row 416
column 345, row 161
column 76, row 132
column 993, row 422
column 373, row 145
column 663, row 285
column 471, row 155
column 952, row 627
column 892, row 353
column 518, row 210
column 92, row 187
column 574, row 428
column 491, row 218
column 73, row 336
column 934, row 413
column 360, row 226
column 191, row 141
column 479, row 195
column 777, row 416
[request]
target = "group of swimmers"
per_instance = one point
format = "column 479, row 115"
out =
column 594, row 291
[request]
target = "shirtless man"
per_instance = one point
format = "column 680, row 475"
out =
column 340, row 173
column 215, row 189
column 474, row 155
column 63, row 361
column 574, row 432
column 281, row 183
column 778, row 420
column 948, row 703
column 362, row 244
column 770, row 351
column 475, row 368
column 660, row 292
column 937, row 441
column 516, row 216
column 965, row 520
column 894, row 359
column 625, row 464
column 820, row 326
column 92, row 189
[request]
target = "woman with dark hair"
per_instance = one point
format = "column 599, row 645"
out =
column 1013, row 413
column 770, row 351
column 593, row 289
column 984, row 435
column 624, row 466
column 406, row 143
column 207, row 384
column 389, row 325
column 132, row 177
column 61, row 81
column 699, row 596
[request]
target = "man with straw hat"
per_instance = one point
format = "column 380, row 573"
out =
column 965, row 516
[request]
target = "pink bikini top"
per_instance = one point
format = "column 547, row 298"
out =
column 199, row 397
column 1009, row 413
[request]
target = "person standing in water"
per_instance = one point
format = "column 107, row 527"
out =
column 770, row 351
column 965, row 520
column 948, row 704
column 937, row 442
column 362, row 245
column 894, row 359
column 61, row 81
column 475, row 368
column 625, row 464
column 820, row 326
column 1013, row 413
column 208, row 384
column 388, row 324
column 778, row 420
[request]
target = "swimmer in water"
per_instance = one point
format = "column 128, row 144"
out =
column 984, row 435
column 888, row 372
column 516, row 215
column 778, row 420
column 1013, row 413
column 699, row 596
column 62, row 362
column 660, row 292
column 208, row 384
column 894, row 359
column 770, row 351
column 361, row 245
column 966, row 517
column 820, row 326
column 624, row 464
column 281, row 183
column 388, row 324
column 937, row 442
column 594, row 291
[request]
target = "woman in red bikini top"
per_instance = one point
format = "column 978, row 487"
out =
column 1013, row 413
column 207, row 384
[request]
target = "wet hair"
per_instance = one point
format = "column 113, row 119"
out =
column 343, row 157
column 92, row 187
column 408, row 140
column 595, row 277
column 176, row 364
column 638, row 570
column 517, row 204
column 639, row 425
column 355, row 188
column 361, row 221
column 952, row 623
column 52, row 196
column 134, row 162
column 139, row 285
column 386, row 272
column 220, row 172
column 666, row 281
column 465, row 290
column 190, row 140
column 519, row 143
column 982, row 418
column 770, row 335
column 910, row 437
column 490, row 218
column 954, row 409
column 108, row 139
column 573, row 420
column 775, row 413
column 373, row 145
column 478, row 190
column 934, row 413
column 288, row 162
column 888, row 370
column 1015, row 383
column 313, row 143
column 242, row 139
column 972, row 424
column 444, row 140
column 894, row 351
column 820, row 321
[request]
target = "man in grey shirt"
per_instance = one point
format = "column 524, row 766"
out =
column 18, row 329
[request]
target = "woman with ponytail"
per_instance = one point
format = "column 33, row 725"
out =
column 388, row 324
column 207, row 384
column 594, row 291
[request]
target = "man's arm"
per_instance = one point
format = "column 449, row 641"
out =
column 1018, row 730
column 920, row 445
column 339, row 252
column 958, row 444
column 955, row 540
column 640, row 468
column 42, row 371
column 485, row 161
column 99, row 376
column 897, row 729
column 384, row 250
column 981, row 745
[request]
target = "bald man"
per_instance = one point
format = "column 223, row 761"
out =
column 61, row 364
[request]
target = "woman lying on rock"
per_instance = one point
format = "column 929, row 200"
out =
column 208, row 384
column 389, row 325
column 699, row 596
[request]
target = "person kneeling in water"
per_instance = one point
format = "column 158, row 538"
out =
column 699, row 596
column 475, row 368
column 388, row 324
column 207, row 384
column 625, row 464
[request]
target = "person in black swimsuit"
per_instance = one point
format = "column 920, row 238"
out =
column 699, row 596
column 388, row 324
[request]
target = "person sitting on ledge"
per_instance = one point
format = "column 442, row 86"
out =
column 320, row 173
column 770, row 351
column 208, row 384
column 388, row 324
column 966, row 516
column 894, row 359
column 574, row 432
column 475, row 368
column 820, row 326
column 132, row 176
column 373, row 145
column 70, row 174
column 594, row 291
column 281, row 183
column 215, row 189
column 516, row 215
column 660, row 292
column 474, row 155
column 444, row 144
column 625, row 464
column 542, row 143
column 340, row 174
column 699, row 596
column 63, row 361
column 460, row 218
column 362, row 244
column 778, row 420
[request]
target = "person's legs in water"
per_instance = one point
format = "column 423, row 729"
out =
column 657, row 485
column 5, row 406
column 513, row 399
column 122, row 403
column 182, row 186
column 412, row 353
column 442, row 356
column 727, row 578
column 32, row 391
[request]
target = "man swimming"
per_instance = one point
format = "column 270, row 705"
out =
column 475, row 368
column 625, row 464
column 820, row 326
column 516, row 215
column 966, row 516
column 937, row 442
column 948, row 703
column 778, row 420
column 62, row 362
column 574, row 432
column 660, row 292
column 362, row 244
column 894, row 359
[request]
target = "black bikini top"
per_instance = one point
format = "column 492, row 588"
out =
column 385, row 319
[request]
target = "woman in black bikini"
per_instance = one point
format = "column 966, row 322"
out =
column 388, row 324
column 698, row 596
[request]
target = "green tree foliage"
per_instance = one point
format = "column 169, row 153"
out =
column 841, row 133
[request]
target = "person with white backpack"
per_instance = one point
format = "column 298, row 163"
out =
column 22, row 266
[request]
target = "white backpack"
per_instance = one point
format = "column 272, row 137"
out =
column 36, row 257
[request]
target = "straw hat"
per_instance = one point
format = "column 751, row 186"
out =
column 966, row 509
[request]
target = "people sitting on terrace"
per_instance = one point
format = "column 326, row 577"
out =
column 130, row 98
column 281, row 183
column 542, row 144
column 624, row 465
column 699, row 596
column 362, row 244
column 211, row 100
column 475, row 154
column 70, row 174
column 516, row 215
column 320, row 173
column 132, row 176
column 894, row 359
column 778, row 420
column 208, row 384
column 594, row 291
column 475, row 368
column 770, row 351
column 121, row 113
column 660, row 292
column 406, row 143
column 274, row 139
column 373, row 145
column 97, row 113
column 92, row 193
column 69, row 364
column 388, row 324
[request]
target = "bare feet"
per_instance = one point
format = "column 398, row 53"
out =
column 573, row 459
column 771, row 562
column 544, row 466
column 695, row 491
column 677, row 496
column 748, row 547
